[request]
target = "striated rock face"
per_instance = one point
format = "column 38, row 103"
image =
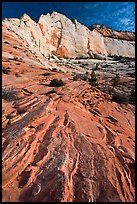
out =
column 65, row 144
column 108, row 32
column 55, row 33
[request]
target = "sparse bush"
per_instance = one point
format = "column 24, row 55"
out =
column 15, row 58
column 93, row 79
column 132, row 74
column 110, row 90
column 120, row 98
column 75, row 78
column 132, row 97
column 56, row 83
column 80, row 76
column 46, row 74
column 97, row 66
column 54, row 69
column 6, row 70
column 117, row 58
column 115, row 80
column 9, row 94
column 10, row 116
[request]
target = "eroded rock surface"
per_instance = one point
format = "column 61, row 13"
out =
column 69, row 143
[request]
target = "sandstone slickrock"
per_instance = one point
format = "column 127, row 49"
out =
column 57, row 34
column 68, row 143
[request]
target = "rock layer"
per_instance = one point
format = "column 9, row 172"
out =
column 70, row 143
column 55, row 33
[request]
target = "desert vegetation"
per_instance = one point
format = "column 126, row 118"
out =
column 6, row 70
column 93, row 79
column 9, row 94
column 132, row 97
column 115, row 80
column 56, row 83
column 120, row 98
column 46, row 74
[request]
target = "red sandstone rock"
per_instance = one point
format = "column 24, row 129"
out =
column 65, row 144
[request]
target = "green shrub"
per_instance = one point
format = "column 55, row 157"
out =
column 131, row 74
column 120, row 98
column 9, row 94
column 110, row 90
column 6, row 70
column 10, row 116
column 15, row 58
column 132, row 97
column 115, row 80
column 56, row 83
column 54, row 69
column 97, row 66
column 93, row 79
column 46, row 74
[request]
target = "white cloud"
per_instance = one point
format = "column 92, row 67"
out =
column 126, row 24
column 125, row 21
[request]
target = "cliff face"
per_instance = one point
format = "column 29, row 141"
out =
column 55, row 33
column 108, row 32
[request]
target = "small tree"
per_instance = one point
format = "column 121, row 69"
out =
column 56, row 83
column 96, row 66
column 115, row 80
column 120, row 98
column 110, row 90
column 93, row 79
column 132, row 97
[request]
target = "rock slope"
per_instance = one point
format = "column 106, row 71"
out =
column 65, row 144
column 108, row 32
column 56, row 34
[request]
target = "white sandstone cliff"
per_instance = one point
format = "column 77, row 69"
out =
column 55, row 33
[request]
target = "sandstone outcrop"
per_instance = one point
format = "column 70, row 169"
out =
column 57, row 34
column 108, row 32
column 60, row 144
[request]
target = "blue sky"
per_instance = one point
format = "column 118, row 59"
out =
column 116, row 15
